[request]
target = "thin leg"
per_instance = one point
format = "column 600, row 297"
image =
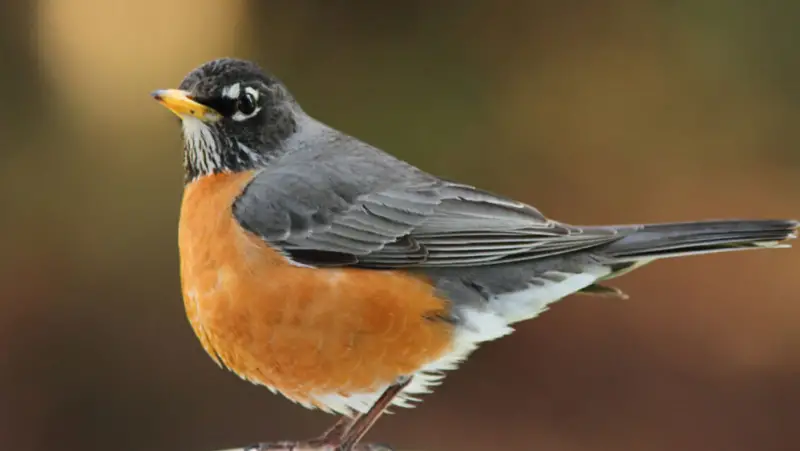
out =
column 298, row 446
column 327, row 441
column 346, row 434
column 363, row 423
column 334, row 435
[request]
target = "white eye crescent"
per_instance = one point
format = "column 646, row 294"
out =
column 246, row 105
column 232, row 91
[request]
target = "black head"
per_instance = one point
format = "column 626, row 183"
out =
column 235, row 116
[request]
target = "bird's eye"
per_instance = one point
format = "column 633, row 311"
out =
column 246, row 104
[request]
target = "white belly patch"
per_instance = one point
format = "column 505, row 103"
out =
column 479, row 325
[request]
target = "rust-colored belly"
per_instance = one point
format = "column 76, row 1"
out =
column 302, row 331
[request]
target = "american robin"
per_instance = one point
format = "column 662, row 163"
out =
column 348, row 280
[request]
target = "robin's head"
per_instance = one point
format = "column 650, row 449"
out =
column 235, row 116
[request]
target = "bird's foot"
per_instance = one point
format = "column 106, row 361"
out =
column 313, row 445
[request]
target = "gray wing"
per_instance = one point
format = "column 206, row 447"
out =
column 386, row 214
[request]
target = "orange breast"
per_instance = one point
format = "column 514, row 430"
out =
column 298, row 330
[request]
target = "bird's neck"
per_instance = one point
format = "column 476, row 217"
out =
column 207, row 152
column 234, row 158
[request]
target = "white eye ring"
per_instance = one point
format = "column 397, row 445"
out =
column 251, row 94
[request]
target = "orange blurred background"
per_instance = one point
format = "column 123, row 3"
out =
column 607, row 112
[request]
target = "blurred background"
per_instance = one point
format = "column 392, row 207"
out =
column 596, row 112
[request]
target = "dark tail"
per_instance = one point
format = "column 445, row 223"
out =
column 654, row 241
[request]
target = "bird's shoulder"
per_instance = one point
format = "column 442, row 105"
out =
column 322, row 172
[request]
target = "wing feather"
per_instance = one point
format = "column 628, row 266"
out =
column 428, row 223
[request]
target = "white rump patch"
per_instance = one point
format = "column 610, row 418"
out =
column 543, row 291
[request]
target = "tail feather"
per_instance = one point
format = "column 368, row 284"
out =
column 652, row 241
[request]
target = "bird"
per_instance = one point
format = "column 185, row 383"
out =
column 350, row 281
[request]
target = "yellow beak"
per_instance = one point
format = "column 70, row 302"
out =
column 180, row 103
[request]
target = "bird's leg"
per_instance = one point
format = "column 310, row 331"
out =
column 304, row 446
column 334, row 435
column 328, row 441
column 362, row 424
column 346, row 434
